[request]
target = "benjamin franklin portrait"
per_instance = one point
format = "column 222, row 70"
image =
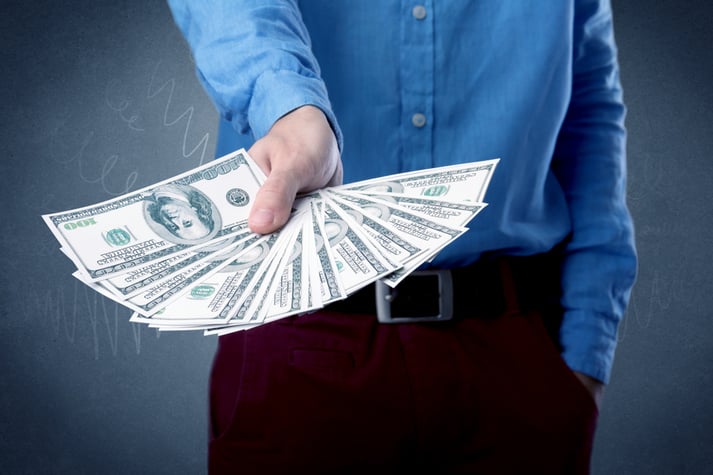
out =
column 182, row 214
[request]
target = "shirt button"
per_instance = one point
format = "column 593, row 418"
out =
column 419, row 12
column 418, row 120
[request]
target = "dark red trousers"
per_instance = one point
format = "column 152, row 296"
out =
column 337, row 393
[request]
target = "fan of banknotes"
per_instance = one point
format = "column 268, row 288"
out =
column 180, row 255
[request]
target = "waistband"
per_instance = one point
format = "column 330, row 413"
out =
column 490, row 287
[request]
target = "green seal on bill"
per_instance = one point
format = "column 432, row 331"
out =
column 437, row 190
column 202, row 291
column 237, row 197
column 117, row 237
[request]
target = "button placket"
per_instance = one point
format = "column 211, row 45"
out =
column 417, row 62
column 418, row 120
column 419, row 12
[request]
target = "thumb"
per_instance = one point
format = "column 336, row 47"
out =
column 273, row 203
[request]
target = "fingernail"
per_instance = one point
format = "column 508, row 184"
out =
column 262, row 217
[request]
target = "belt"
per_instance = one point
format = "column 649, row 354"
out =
column 490, row 287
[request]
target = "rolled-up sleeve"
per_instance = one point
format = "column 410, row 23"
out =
column 600, row 265
column 254, row 59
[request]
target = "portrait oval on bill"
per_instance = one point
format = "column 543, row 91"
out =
column 335, row 229
column 182, row 214
column 383, row 187
column 251, row 256
column 376, row 210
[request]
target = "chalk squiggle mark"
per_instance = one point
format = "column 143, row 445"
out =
column 170, row 85
column 121, row 106
column 107, row 166
column 64, row 317
column 661, row 294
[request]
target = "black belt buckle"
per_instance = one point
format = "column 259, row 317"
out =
column 424, row 296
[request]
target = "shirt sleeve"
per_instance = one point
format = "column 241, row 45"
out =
column 254, row 60
column 600, row 264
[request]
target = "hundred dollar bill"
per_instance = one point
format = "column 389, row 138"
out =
column 131, row 283
column 412, row 227
column 293, row 292
column 324, row 269
column 249, row 310
column 168, row 325
column 314, row 293
column 248, row 269
column 128, row 283
column 267, row 293
column 279, row 288
column 154, row 298
column 358, row 262
column 193, row 209
column 449, row 213
column 465, row 181
column 205, row 301
column 253, row 266
column 242, row 307
column 289, row 294
column 388, row 241
column 225, row 329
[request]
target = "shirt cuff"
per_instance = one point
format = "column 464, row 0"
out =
column 588, row 342
column 277, row 93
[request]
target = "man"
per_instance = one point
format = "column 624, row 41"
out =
column 415, row 85
column 183, row 211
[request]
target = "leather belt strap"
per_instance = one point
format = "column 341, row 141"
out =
column 490, row 287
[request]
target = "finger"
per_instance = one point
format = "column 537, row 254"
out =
column 273, row 203
column 338, row 175
column 260, row 153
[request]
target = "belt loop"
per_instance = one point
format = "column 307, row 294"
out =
column 509, row 287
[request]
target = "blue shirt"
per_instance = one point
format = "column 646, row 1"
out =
column 411, row 85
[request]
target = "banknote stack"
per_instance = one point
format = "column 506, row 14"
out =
column 180, row 255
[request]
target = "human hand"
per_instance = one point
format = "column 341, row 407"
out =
column 595, row 387
column 298, row 154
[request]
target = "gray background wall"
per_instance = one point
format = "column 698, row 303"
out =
column 100, row 97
